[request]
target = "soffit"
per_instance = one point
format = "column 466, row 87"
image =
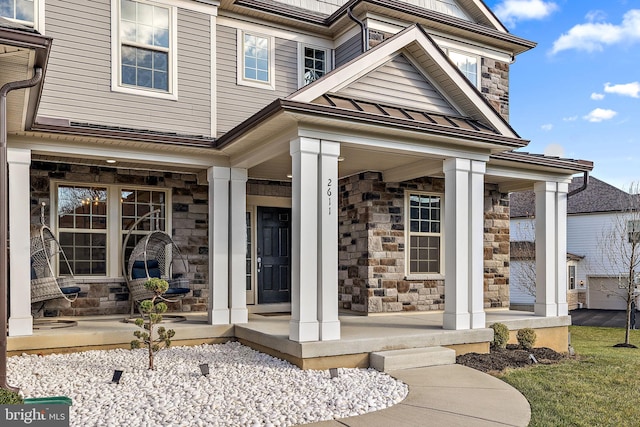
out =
column 15, row 65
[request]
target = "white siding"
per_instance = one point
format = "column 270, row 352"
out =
column 237, row 103
column 519, row 270
column 398, row 82
column 78, row 81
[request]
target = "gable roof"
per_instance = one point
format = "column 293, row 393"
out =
column 436, row 68
column 597, row 197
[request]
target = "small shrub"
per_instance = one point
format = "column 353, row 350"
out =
column 500, row 335
column 9, row 398
column 526, row 338
column 153, row 313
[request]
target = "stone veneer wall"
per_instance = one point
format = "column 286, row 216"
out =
column 190, row 232
column 371, row 276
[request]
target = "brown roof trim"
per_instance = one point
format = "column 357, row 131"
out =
column 97, row 131
column 542, row 160
column 285, row 105
column 27, row 38
column 319, row 19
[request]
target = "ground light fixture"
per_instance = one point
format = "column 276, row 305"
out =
column 204, row 368
column 333, row 372
column 117, row 374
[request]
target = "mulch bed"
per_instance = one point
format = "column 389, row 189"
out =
column 511, row 357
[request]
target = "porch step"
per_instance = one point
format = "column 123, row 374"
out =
column 391, row 360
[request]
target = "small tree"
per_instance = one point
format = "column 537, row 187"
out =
column 152, row 315
column 620, row 246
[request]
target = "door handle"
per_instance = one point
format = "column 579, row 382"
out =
column 259, row 264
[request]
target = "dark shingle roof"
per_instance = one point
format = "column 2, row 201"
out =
column 597, row 197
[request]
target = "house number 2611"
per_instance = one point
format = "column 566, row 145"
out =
column 329, row 184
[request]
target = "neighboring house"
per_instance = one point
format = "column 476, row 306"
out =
column 307, row 155
column 592, row 215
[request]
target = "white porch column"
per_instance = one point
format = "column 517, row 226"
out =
column 304, row 240
column 328, row 242
column 20, row 320
column 218, row 178
column 463, row 234
column 551, row 249
column 238, row 246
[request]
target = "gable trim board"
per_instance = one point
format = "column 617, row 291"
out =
column 416, row 41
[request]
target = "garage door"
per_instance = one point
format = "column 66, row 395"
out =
column 601, row 294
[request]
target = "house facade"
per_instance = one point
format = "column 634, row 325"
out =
column 311, row 156
column 598, row 219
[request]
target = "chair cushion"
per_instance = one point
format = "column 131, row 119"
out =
column 177, row 291
column 151, row 263
column 138, row 270
column 70, row 290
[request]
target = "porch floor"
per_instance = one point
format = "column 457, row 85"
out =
column 360, row 335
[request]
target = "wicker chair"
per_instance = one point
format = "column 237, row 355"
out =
column 155, row 256
column 45, row 252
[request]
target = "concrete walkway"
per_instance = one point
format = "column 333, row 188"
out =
column 451, row 395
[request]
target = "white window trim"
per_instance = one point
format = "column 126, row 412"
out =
column 328, row 66
column 116, row 71
column 114, row 222
column 241, row 81
column 38, row 17
column 478, row 84
column 407, row 240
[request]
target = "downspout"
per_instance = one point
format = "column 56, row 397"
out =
column 585, row 183
column 364, row 31
column 4, row 236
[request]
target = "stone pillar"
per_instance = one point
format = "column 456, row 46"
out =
column 218, row 178
column 551, row 249
column 238, row 246
column 463, row 234
column 304, row 240
column 20, row 321
column 328, row 242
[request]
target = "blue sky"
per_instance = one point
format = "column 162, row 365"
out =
column 577, row 94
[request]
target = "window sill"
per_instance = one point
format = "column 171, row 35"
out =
column 143, row 92
column 256, row 84
column 424, row 277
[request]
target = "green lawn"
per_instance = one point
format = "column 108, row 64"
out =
column 600, row 388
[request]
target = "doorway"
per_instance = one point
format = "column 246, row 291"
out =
column 273, row 255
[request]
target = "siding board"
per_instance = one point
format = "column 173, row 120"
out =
column 348, row 50
column 78, row 82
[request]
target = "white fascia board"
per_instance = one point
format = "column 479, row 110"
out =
column 200, row 158
column 528, row 175
column 490, row 16
column 272, row 30
column 437, row 150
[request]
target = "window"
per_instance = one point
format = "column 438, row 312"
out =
column 314, row 64
column 424, row 234
column 633, row 230
column 255, row 59
column 467, row 64
column 82, row 228
column 88, row 226
column 22, row 11
column 146, row 49
column 572, row 277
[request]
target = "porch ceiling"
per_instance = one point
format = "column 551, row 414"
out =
column 16, row 64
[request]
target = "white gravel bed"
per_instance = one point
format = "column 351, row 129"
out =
column 244, row 388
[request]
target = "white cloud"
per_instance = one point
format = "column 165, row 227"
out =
column 599, row 115
column 547, row 127
column 511, row 11
column 570, row 119
column 555, row 150
column 594, row 36
column 629, row 89
column 597, row 96
column 595, row 16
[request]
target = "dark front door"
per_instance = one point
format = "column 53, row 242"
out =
column 274, row 255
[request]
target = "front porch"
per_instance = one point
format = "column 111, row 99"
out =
column 360, row 335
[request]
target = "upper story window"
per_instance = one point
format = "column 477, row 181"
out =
column 255, row 60
column 424, row 234
column 468, row 65
column 314, row 63
column 25, row 12
column 146, row 49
